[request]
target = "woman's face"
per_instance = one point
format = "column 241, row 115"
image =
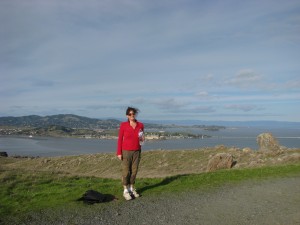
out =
column 131, row 115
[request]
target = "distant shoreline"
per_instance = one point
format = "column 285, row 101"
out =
column 61, row 146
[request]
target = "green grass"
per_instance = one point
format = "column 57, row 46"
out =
column 22, row 192
column 207, row 181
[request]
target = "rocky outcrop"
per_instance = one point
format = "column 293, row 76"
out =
column 220, row 161
column 247, row 150
column 267, row 142
column 295, row 157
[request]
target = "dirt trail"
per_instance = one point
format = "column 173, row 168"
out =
column 272, row 201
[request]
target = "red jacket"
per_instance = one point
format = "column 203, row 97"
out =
column 129, row 137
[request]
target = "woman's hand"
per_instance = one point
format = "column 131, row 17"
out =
column 120, row 157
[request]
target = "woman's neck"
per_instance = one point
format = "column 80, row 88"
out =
column 132, row 123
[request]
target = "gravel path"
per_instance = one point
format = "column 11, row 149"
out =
column 272, row 201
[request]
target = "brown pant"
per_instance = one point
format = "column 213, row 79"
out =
column 130, row 164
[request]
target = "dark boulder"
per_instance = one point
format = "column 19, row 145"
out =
column 3, row 154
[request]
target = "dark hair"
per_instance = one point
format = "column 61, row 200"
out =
column 135, row 110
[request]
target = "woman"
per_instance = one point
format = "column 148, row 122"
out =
column 129, row 151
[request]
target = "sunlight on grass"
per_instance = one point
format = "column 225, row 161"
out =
column 22, row 192
column 203, row 181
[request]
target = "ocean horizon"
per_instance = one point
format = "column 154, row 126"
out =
column 239, row 137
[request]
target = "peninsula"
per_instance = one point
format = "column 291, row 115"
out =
column 68, row 125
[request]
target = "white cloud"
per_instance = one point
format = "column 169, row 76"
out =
column 292, row 84
column 243, row 107
column 169, row 104
column 204, row 95
column 169, row 58
column 203, row 109
column 245, row 78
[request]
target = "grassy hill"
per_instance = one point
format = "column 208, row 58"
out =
column 65, row 120
column 158, row 163
column 32, row 185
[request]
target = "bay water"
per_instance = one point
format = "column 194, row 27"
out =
column 240, row 137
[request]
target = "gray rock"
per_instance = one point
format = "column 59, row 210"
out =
column 247, row 150
column 267, row 142
column 220, row 161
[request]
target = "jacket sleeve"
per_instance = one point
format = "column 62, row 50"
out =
column 120, row 140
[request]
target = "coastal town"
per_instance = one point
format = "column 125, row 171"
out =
column 60, row 131
column 67, row 125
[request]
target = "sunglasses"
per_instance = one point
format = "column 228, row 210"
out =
column 131, row 114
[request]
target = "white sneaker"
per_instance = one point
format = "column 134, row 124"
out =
column 127, row 195
column 134, row 193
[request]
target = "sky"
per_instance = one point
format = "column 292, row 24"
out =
column 210, row 60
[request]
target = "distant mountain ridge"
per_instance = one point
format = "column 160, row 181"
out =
column 81, row 122
column 257, row 123
column 65, row 120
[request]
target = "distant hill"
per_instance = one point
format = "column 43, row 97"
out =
column 80, row 122
column 258, row 123
column 65, row 120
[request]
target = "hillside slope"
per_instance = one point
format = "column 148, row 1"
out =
column 66, row 120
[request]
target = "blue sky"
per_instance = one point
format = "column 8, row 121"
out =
column 211, row 60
